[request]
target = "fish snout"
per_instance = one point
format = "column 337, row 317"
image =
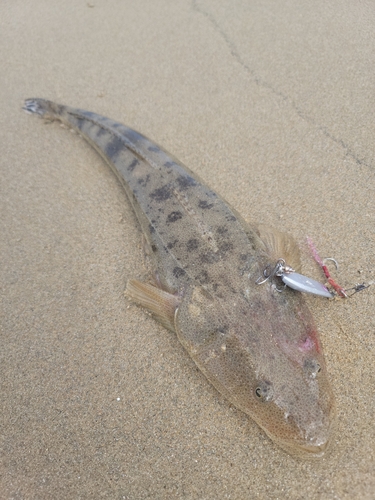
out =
column 316, row 446
column 313, row 441
column 303, row 422
column 308, row 449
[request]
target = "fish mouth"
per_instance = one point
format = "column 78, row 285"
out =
column 314, row 451
column 311, row 441
column 305, row 450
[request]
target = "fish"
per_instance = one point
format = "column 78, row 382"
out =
column 258, row 347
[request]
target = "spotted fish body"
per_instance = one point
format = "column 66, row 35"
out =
column 258, row 347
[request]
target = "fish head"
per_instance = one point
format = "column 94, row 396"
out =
column 292, row 399
column 265, row 357
column 294, row 404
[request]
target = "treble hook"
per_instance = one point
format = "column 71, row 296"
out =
column 279, row 269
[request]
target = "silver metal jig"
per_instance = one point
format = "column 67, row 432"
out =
column 293, row 280
column 304, row 284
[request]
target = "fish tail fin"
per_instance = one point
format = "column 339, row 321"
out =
column 43, row 107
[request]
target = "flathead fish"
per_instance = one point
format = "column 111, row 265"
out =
column 258, row 347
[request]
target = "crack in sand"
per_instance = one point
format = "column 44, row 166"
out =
column 281, row 95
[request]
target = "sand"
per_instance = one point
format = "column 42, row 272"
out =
column 272, row 104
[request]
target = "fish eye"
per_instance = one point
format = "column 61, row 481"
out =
column 312, row 367
column 264, row 390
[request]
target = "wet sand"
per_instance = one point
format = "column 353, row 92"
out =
column 273, row 106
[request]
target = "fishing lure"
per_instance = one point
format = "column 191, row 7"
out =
column 294, row 280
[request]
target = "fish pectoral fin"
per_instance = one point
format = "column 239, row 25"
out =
column 160, row 303
column 281, row 246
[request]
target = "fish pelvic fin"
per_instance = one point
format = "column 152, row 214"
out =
column 161, row 304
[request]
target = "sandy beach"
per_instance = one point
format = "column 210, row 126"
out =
column 272, row 105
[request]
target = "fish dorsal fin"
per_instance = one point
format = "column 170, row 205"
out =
column 160, row 303
column 280, row 246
